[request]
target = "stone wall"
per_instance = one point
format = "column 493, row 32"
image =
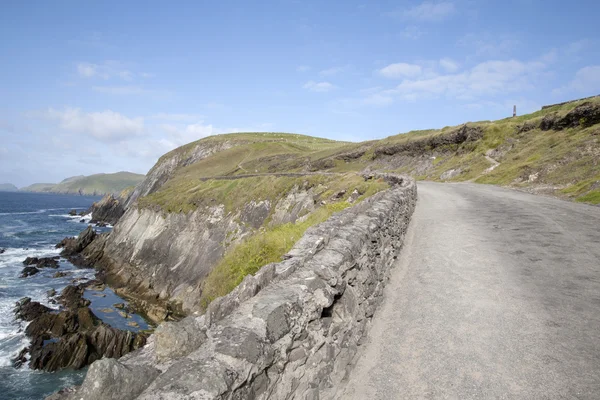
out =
column 289, row 332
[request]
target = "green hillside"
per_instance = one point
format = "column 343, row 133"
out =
column 555, row 151
column 98, row 184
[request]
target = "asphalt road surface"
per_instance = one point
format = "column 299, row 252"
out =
column 496, row 295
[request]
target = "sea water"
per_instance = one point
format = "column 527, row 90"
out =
column 31, row 225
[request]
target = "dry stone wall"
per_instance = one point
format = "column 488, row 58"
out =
column 289, row 332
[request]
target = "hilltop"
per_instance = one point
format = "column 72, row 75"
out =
column 98, row 184
column 555, row 150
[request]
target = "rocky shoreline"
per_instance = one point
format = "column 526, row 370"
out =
column 72, row 337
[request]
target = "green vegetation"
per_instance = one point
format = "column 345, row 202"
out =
column 98, row 184
column 261, row 249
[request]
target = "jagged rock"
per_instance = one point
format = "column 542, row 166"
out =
column 72, row 247
column 29, row 271
column 61, row 274
column 178, row 339
column 51, row 293
column 43, row 262
column 450, row 174
column 2, row 251
column 74, row 337
column 28, row 310
column 120, row 306
column 107, row 211
column 73, row 212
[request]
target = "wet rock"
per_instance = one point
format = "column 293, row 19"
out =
column 43, row 262
column 120, row 306
column 124, row 314
column 21, row 358
column 73, row 212
column 72, row 297
column 72, row 247
column 133, row 324
column 29, row 271
column 61, row 274
column 73, row 337
column 107, row 310
column 82, row 221
column 51, row 293
column 2, row 251
column 28, row 310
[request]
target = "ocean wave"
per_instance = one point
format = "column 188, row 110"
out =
column 12, row 256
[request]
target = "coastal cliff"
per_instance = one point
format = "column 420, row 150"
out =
column 292, row 329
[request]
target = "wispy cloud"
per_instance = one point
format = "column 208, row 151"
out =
column 120, row 90
column 400, row 70
column 331, row 71
column 108, row 125
column 302, row 68
column 318, row 86
column 177, row 117
column 107, row 70
column 586, row 80
column 428, row 11
column 411, row 32
column 449, row 65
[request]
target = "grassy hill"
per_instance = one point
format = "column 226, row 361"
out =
column 555, row 150
column 97, row 184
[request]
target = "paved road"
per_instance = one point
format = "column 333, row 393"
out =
column 496, row 296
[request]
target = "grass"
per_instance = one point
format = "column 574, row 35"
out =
column 90, row 185
column 261, row 249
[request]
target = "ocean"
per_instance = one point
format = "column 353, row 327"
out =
column 31, row 225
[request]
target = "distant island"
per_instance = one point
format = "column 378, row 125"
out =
column 98, row 184
column 8, row 187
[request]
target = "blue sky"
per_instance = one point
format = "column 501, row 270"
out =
column 88, row 87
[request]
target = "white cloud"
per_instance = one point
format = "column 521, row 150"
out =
column 400, row 70
column 487, row 78
column 331, row 71
column 411, row 32
column 586, row 80
column 489, row 45
column 378, row 100
column 104, row 125
column 107, row 70
column 318, row 86
column 430, row 11
column 119, row 90
column 449, row 65
column 302, row 68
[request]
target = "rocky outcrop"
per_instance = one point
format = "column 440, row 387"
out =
column 73, row 247
column 584, row 115
column 289, row 331
column 73, row 337
column 108, row 210
column 445, row 141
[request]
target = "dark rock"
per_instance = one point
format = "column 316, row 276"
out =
column 120, row 306
column 82, row 221
column 28, row 310
column 72, row 247
column 107, row 211
column 584, row 115
column 51, row 293
column 2, row 251
column 102, row 224
column 74, row 337
column 72, row 297
column 82, row 213
column 44, row 262
column 73, row 212
column 29, row 271
column 21, row 358
column 61, row 274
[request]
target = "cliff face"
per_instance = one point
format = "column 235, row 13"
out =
column 161, row 259
column 289, row 331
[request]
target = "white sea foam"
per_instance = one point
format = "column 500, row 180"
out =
column 12, row 256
